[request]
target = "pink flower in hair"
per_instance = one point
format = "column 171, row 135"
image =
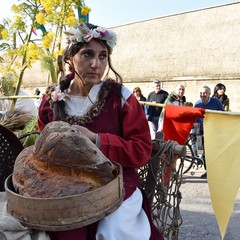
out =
column 89, row 36
column 103, row 31
column 57, row 95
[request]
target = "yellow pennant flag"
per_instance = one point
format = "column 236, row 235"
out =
column 222, row 143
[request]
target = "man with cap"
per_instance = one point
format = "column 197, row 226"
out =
column 153, row 112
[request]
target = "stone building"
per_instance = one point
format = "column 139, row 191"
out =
column 195, row 48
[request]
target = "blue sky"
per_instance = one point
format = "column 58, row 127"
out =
column 109, row 13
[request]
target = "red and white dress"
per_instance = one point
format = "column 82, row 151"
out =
column 124, row 138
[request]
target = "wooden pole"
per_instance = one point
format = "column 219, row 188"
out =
column 207, row 110
column 19, row 96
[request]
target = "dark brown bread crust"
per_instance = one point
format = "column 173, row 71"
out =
column 62, row 162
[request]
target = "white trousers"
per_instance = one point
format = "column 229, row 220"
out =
column 128, row 222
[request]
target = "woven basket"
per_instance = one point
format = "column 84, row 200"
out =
column 65, row 213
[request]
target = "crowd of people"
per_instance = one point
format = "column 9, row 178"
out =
column 218, row 101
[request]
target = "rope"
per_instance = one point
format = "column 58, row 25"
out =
column 161, row 178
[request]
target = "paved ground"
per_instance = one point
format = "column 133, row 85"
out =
column 199, row 221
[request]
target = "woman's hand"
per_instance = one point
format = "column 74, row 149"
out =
column 91, row 135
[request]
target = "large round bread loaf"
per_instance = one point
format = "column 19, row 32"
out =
column 62, row 162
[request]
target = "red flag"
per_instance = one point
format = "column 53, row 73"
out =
column 178, row 122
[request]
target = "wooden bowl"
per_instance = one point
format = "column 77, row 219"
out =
column 65, row 213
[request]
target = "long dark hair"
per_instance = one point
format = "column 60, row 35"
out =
column 223, row 98
column 217, row 87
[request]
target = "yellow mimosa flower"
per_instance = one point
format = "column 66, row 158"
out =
column 47, row 5
column 85, row 10
column 81, row 20
column 71, row 20
column 47, row 40
column 4, row 33
column 58, row 2
column 33, row 51
column 15, row 8
column 40, row 18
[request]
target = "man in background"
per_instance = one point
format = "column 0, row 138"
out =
column 153, row 112
column 206, row 102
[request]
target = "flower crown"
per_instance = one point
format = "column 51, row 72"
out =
column 82, row 33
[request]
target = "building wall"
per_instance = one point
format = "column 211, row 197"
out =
column 194, row 48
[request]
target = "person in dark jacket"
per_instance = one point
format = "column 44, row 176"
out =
column 153, row 112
